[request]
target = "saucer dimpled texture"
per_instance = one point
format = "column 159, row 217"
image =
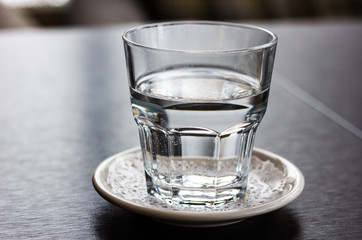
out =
column 126, row 179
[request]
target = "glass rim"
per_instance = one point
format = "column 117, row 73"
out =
column 272, row 42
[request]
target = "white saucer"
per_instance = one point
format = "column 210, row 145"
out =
column 120, row 180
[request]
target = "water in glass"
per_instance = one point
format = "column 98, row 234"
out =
column 197, row 126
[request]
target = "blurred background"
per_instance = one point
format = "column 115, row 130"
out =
column 67, row 13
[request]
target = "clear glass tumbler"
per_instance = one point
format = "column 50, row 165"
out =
column 198, row 92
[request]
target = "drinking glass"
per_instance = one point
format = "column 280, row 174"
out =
column 198, row 90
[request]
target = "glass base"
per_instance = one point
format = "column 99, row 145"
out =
column 195, row 196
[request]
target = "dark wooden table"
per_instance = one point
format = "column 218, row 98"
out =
column 64, row 107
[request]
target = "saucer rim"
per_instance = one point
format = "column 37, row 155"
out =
column 231, row 215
